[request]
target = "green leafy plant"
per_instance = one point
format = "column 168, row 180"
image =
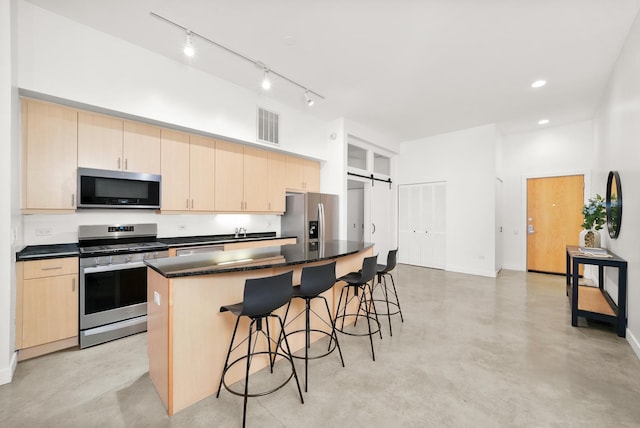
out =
column 594, row 213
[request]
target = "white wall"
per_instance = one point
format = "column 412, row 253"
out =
column 9, row 161
column 466, row 161
column 617, row 141
column 553, row 151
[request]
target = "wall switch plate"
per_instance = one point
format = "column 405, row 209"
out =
column 44, row 231
column 156, row 298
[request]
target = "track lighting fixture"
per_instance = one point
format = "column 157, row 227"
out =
column 266, row 83
column 308, row 98
column 188, row 46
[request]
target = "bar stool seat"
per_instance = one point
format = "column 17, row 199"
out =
column 314, row 281
column 359, row 286
column 393, row 306
column 262, row 296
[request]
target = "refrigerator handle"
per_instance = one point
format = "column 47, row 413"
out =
column 321, row 220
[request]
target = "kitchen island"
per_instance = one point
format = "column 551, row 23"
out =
column 187, row 335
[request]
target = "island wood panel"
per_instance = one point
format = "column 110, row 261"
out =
column 100, row 141
column 19, row 300
column 158, row 339
column 141, row 148
column 197, row 335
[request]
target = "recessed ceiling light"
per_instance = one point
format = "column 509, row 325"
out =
column 538, row 84
column 543, row 121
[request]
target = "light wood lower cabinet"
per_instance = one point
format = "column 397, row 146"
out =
column 46, row 305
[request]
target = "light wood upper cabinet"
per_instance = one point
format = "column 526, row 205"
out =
column 50, row 147
column 47, row 293
column 202, row 156
column 99, row 141
column 276, row 178
column 141, row 148
column 302, row 174
column 256, row 182
column 106, row 142
column 174, row 149
column 229, row 177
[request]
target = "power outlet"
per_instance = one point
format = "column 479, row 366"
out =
column 44, row 231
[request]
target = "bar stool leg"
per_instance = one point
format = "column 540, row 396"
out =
column 334, row 333
column 393, row 283
column 293, row 366
column 226, row 361
column 246, row 375
column 366, row 308
column 307, row 344
column 383, row 283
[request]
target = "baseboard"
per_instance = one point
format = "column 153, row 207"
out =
column 6, row 374
column 513, row 267
column 490, row 274
column 633, row 341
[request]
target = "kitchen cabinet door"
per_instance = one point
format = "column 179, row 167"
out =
column 49, row 309
column 256, row 180
column 311, row 175
column 294, row 173
column 277, row 193
column 50, row 149
column 202, row 155
column 229, row 177
column 174, row 148
column 141, row 148
column 99, row 141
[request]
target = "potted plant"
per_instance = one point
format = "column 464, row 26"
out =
column 595, row 216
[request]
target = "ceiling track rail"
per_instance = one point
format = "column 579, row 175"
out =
column 372, row 178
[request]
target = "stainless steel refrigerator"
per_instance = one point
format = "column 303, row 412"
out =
column 311, row 217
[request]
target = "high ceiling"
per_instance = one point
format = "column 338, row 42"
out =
column 408, row 68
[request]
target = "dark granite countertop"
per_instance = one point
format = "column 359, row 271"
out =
column 253, row 258
column 39, row 252
column 188, row 241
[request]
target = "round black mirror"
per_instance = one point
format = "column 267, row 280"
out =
column 614, row 204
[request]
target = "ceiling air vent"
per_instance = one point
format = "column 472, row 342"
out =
column 268, row 123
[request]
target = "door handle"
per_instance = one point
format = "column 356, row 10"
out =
column 530, row 230
column 373, row 225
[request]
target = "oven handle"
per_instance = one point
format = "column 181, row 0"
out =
column 110, row 268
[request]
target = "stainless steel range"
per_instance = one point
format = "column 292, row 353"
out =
column 113, row 279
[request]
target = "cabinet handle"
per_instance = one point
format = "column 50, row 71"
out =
column 245, row 205
column 192, row 203
column 187, row 203
column 52, row 268
column 241, row 205
column 73, row 284
column 73, row 200
column 269, row 206
column 118, row 163
column 126, row 164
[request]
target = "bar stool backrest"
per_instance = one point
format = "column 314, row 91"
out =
column 391, row 261
column 369, row 268
column 264, row 295
column 317, row 279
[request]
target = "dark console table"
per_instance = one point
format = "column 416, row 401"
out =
column 595, row 302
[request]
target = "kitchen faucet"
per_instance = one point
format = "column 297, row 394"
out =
column 240, row 230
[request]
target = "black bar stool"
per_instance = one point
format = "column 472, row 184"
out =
column 314, row 281
column 382, row 272
column 262, row 296
column 360, row 284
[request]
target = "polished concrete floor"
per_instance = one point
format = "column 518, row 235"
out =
column 472, row 351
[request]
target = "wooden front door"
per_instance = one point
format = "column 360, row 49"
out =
column 554, row 219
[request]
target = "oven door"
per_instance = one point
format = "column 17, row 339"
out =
column 112, row 293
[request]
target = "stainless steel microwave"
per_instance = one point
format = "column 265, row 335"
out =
column 98, row 188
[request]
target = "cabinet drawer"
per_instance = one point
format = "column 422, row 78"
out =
column 50, row 267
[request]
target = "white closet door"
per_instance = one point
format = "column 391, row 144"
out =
column 421, row 224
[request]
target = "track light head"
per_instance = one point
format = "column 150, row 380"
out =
column 188, row 46
column 266, row 83
column 308, row 98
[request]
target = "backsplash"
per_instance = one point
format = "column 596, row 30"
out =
column 42, row 229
